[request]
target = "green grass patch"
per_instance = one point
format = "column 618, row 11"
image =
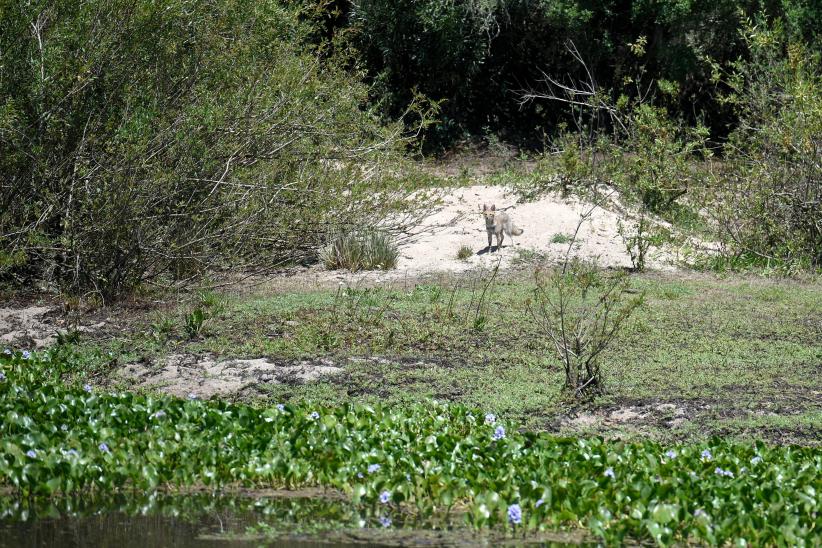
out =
column 724, row 350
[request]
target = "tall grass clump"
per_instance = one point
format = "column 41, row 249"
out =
column 369, row 249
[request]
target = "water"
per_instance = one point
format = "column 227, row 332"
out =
column 183, row 521
column 282, row 519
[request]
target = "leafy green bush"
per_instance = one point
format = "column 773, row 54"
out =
column 768, row 191
column 58, row 440
column 639, row 237
column 153, row 140
column 368, row 249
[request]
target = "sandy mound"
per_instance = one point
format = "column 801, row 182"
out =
column 205, row 376
column 459, row 223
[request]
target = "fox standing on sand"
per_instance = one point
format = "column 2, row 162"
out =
column 499, row 223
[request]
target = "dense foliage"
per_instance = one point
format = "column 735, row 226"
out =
column 58, row 440
column 144, row 139
column 479, row 55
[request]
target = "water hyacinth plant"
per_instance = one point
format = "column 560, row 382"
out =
column 421, row 459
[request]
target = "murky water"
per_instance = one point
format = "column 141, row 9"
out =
column 282, row 519
column 190, row 521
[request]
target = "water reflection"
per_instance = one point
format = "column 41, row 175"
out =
column 185, row 521
column 283, row 519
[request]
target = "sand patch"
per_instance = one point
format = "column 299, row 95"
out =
column 206, row 376
column 548, row 223
column 35, row 327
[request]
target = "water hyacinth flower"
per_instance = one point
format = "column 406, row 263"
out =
column 104, row 448
column 359, row 475
column 756, row 460
column 490, row 418
column 720, row 472
column 514, row 514
column 373, row 468
column 670, row 453
column 2, row 376
column 280, row 407
column 314, row 415
column 87, row 388
column 610, row 473
column 539, row 503
column 159, row 414
column 499, row 433
column 192, row 396
column 7, row 351
column 31, row 453
column 385, row 521
column 706, row 455
column 700, row 513
column 26, row 354
column 385, row 496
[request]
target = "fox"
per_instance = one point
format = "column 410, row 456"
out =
column 498, row 223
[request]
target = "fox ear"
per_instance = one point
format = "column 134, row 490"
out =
column 493, row 207
column 484, row 207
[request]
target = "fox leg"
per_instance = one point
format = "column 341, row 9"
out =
column 500, row 238
column 490, row 236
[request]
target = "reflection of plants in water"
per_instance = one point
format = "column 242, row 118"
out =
column 186, row 507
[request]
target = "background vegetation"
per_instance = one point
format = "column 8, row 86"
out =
column 150, row 139
column 156, row 141
column 479, row 55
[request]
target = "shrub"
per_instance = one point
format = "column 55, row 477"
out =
column 369, row 249
column 154, row 141
column 639, row 237
column 580, row 309
column 464, row 253
column 768, row 190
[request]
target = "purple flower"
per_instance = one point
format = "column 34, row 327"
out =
column 539, row 503
column 26, row 354
column 670, row 453
column 699, row 512
column 373, row 468
column 314, row 415
column 499, row 433
column 159, row 414
column 385, row 521
column 359, row 475
column 385, row 496
column 706, row 454
column 514, row 514
column 610, row 472
column 490, row 418
column 280, row 407
column 2, row 376
column 87, row 388
column 192, row 396
column 31, row 453
column 756, row 460
column 7, row 351
column 104, row 448
column 720, row 472
column 72, row 452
